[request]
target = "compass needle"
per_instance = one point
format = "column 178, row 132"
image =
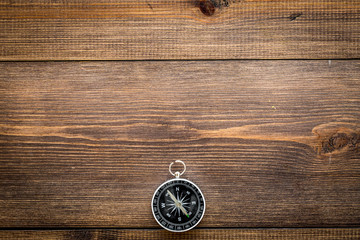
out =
column 184, row 210
column 172, row 197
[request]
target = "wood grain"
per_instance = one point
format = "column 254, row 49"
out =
column 178, row 29
column 208, row 234
column 270, row 143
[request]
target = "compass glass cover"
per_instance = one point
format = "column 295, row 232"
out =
column 178, row 205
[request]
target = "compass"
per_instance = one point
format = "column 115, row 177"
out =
column 178, row 205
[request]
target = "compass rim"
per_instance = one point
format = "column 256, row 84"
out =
column 178, row 179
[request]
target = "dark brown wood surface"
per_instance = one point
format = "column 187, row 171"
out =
column 270, row 143
column 179, row 29
column 273, row 141
column 208, row 234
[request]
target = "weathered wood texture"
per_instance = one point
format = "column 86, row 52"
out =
column 270, row 143
column 178, row 29
column 208, row 234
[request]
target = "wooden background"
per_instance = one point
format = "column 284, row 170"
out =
column 261, row 100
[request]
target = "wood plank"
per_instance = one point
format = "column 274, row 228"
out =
column 270, row 143
column 208, row 234
column 178, row 29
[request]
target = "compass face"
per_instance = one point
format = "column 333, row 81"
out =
column 178, row 205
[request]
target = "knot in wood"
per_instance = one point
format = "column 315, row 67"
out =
column 207, row 7
column 339, row 141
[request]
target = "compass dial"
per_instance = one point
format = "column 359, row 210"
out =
column 178, row 205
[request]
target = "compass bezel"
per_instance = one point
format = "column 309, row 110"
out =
column 203, row 203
